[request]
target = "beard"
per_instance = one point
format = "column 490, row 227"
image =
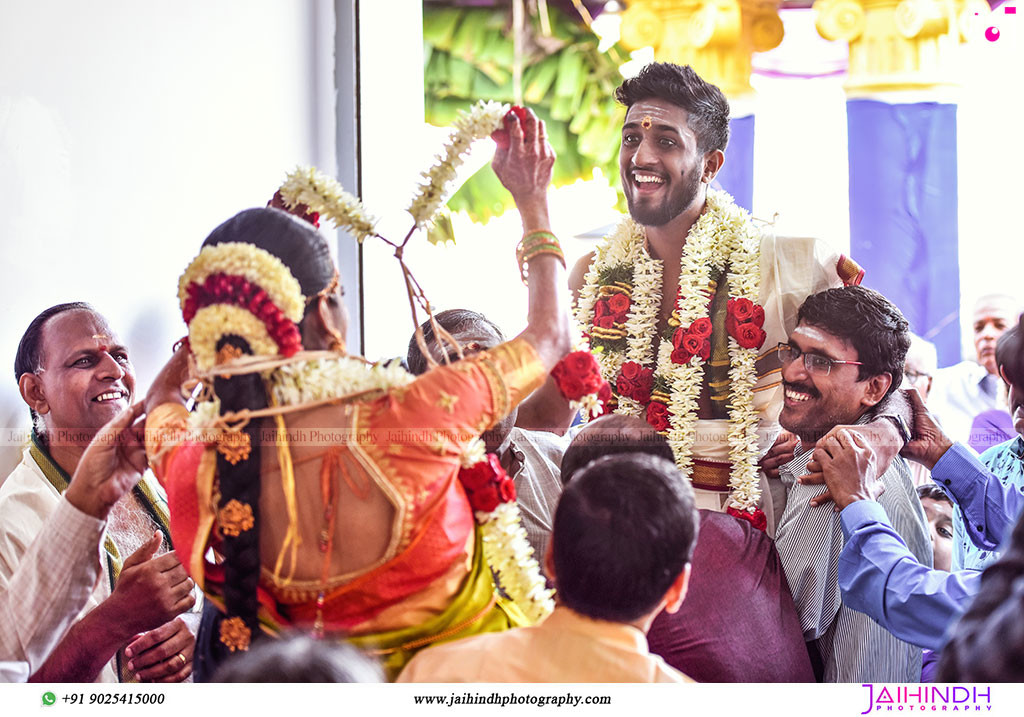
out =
column 676, row 201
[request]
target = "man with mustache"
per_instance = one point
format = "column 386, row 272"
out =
column 75, row 376
column 835, row 372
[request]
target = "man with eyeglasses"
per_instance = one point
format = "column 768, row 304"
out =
column 842, row 361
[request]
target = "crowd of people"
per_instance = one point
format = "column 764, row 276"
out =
column 771, row 480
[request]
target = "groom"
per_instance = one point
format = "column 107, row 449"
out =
column 647, row 337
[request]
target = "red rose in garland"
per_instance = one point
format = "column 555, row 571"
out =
column 744, row 322
column 758, row 318
column 486, row 499
column 645, row 384
column 635, row 382
column 657, row 416
column 681, row 356
column 619, row 305
column 742, row 309
column 692, row 344
column 625, row 387
column 605, row 396
column 601, row 310
column 701, row 327
column 583, row 368
column 487, row 485
column 507, row 490
column 750, row 336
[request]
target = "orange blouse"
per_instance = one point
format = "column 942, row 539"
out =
column 403, row 447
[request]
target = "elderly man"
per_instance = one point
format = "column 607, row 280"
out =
column 531, row 458
column 961, row 392
column 836, row 372
column 625, row 530
column 57, row 574
column 75, row 376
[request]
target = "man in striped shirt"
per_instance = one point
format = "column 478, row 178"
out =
column 837, row 371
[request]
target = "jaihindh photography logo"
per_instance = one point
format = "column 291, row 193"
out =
column 927, row 698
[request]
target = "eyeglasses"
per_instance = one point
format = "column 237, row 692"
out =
column 814, row 363
column 915, row 375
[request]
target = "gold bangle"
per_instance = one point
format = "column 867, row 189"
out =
column 555, row 252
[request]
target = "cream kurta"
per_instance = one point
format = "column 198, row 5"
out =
column 27, row 499
column 566, row 647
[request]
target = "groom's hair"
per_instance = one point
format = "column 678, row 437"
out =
column 706, row 104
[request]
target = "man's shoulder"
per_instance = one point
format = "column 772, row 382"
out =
column 810, row 254
column 27, row 485
column 458, row 660
column 26, row 500
column 964, row 372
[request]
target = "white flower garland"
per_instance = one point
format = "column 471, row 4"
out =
column 481, row 121
column 625, row 248
column 303, row 382
column 324, row 195
column 510, row 555
column 722, row 237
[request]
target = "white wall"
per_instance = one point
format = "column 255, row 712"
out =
column 129, row 130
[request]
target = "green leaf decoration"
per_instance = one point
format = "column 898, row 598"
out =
column 442, row 230
column 468, row 56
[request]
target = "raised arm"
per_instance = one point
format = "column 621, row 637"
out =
column 524, row 167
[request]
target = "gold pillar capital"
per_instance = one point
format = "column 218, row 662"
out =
column 899, row 45
column 715, row 37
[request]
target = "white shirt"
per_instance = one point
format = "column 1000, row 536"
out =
column 51, row 585
column 961, row 392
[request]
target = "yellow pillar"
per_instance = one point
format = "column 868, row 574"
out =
column 716, row 37
column 899, row 45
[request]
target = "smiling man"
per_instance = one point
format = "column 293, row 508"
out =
column 835, row 371
column 75, row 376
column 682, row 233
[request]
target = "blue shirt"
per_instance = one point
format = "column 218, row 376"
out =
column 1007, row 462
column 880, row 577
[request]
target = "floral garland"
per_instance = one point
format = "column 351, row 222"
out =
column 258, row 266
column 210, row 323
column 322, row 195
column 622, row 335
column 492, row 495
column 578, row 377
column 481, row 121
